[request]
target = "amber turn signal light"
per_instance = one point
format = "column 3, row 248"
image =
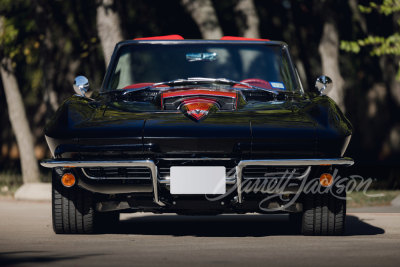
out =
column 326, row 179
column 68, row 180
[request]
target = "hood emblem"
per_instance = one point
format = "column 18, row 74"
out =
column 198, row 108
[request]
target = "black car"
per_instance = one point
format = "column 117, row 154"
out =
column 199, row 127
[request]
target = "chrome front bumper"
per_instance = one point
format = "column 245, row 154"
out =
column 51, row 163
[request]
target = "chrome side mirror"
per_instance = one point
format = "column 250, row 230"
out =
column 324, row 85
column 81, row 85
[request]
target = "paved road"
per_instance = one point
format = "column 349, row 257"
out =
column 27, row 239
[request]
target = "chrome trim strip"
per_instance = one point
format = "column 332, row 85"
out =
column 189, row 159
column 297, row 162
column 285, row 162
column 102, row 178
column 49, row 163
column 166, row 181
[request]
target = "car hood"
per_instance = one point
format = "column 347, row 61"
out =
column 258, row 128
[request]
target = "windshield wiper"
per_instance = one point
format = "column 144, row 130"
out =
column 196, row 80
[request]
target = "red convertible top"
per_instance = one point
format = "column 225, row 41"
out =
column 165, row 37
column 178, row 37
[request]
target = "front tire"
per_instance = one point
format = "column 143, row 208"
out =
column 324, row 214
column 73, row 209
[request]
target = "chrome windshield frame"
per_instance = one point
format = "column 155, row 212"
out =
column 113, row 61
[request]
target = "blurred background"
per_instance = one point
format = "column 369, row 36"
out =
column 45, row 44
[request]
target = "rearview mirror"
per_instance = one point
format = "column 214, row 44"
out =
column 324, row 85
column 81, row 85
column 191, row 57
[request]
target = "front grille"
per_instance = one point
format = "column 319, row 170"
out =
column 118, row 172
column 262, row 172
column 164, row 171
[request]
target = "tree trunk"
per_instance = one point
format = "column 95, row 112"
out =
column 108, row 27
column 357, row 15
column 329, row 51
column 391, row 146
column 301, row 37
column 19, row 122
column 203, row 13
column 246, row 19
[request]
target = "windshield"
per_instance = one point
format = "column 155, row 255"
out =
column 265, row 66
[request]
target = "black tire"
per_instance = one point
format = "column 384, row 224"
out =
column 324, row 214
column 73, row 209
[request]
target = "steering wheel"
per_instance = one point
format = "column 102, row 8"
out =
column 254, row 80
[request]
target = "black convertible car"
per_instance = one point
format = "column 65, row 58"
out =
column 199, row 127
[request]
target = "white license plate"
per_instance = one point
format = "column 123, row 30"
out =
column 198, row 180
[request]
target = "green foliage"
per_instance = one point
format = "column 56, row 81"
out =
column 380, row 45
column 388, row 7
column 18, row 39
column 359, row 199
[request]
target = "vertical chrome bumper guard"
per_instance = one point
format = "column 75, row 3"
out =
column 49, row 163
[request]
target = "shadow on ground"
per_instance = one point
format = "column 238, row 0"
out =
column 28, row 258
column 228, row 226
column 355, row 226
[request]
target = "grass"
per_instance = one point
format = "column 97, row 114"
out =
column 9, row 183
column 359, row 199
